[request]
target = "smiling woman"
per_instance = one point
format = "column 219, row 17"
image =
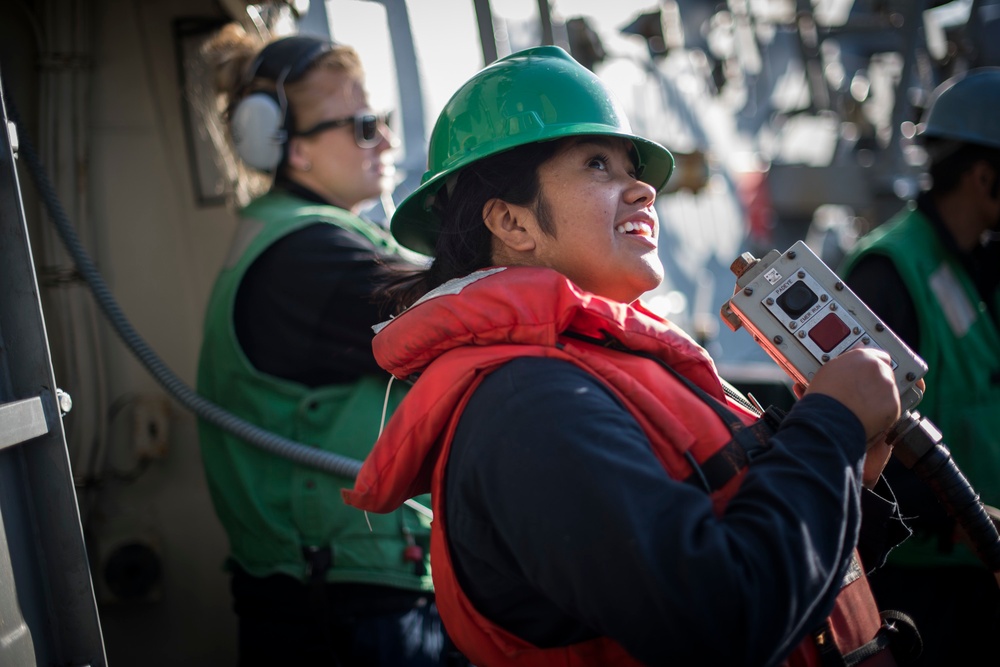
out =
column 593, row 220
column 598, row 500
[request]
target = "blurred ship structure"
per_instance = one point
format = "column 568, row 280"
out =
column 789, row 120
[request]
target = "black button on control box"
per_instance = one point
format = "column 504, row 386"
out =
column 797, row 299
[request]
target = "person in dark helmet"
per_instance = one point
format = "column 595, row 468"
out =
column 598, row 497
column 931, row 274
column 287, row 347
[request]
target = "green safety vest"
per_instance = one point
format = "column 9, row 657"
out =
column 960, row 342
column 271, row 507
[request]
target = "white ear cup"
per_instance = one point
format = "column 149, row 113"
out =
column 258, row 133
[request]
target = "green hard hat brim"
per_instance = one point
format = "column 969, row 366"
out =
column 415, row 226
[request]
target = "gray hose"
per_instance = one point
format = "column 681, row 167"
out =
column 188, row 398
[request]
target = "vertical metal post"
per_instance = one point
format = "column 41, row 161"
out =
column 545, row 16
column 484, row 16
column 48, row 612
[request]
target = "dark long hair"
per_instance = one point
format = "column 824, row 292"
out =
column 465, row 244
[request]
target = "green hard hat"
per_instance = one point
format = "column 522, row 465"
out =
column 538, row 94
column 964, row 108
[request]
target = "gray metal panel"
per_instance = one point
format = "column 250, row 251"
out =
column 21, row 421
column 48, row 613
column 798, row 190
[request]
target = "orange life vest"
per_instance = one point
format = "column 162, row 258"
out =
column 455, row 343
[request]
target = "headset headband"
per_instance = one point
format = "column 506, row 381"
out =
column 287, row 59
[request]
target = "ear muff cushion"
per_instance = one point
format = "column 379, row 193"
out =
column 258, row 135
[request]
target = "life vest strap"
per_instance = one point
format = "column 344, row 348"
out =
column 898, row 636
column 748, row 442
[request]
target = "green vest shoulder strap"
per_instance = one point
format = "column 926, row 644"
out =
column 275, row 215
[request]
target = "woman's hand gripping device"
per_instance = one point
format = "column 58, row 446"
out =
column 803, row 315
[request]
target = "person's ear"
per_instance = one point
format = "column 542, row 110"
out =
column 299, row 154
column 507, row 222
column 985, row 178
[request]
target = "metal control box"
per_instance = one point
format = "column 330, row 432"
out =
column 803, row 315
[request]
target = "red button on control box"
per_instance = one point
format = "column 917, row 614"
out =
column 829, row 332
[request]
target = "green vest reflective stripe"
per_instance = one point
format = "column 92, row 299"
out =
column 960, row 342
column 271, row 507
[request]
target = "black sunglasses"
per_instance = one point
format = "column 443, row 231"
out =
column 366, row 125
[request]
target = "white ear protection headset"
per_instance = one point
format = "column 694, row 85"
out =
column 260, row 123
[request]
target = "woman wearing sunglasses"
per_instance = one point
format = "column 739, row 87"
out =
column 287, row 346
